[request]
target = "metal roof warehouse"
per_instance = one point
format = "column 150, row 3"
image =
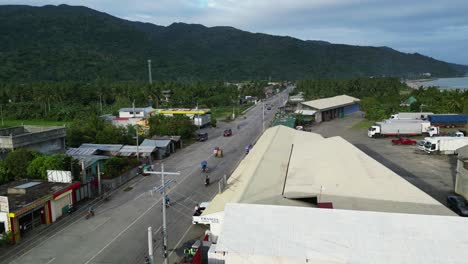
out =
column 296, row 168
column 331, row 107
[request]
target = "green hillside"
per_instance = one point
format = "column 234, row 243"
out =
column 80, row 44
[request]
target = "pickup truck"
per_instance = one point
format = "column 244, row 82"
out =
column 197, row 214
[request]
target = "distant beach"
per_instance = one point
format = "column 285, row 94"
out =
column 442, row 83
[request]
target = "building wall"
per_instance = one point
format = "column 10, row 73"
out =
column 57, row 204
column 461, row 180
column 351, row 109
column 49, row 146
column 4, row 219
column 130, row 114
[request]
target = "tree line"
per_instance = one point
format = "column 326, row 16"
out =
column 381, row 97
column 67, row 101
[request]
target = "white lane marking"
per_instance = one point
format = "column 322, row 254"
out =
column 121, row 232
column 180, row 240
column 50, row 261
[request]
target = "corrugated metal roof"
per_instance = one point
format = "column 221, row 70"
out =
column 339, row 236
column 103, row 147
column 156, row 143
column 137, row 109
column 81, row 151
column 89, row 159
column 331, row 168
column 331, row 102
column 141, row 149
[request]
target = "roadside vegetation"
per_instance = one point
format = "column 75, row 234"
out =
column 24, row 164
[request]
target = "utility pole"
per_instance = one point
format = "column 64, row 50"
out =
column 100, row 102
column 1, row 113
column 150, row 245
column 149, row 72
column 136, row 130
column 162, row 188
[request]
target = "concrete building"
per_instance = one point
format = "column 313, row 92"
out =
column 296, row 168
column 332, row 107
column 44, row 139
column 292, row 235
column 461, row 179
column 138, row 112
column 27, row 205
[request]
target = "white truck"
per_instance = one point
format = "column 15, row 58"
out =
column 408, row 115
column 444, row 145
column 197, row 214
column 202, row 120
column 397, row 127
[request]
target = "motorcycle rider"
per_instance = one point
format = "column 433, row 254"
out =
column 207, row 180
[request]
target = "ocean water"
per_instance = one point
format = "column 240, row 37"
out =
column 449, row 83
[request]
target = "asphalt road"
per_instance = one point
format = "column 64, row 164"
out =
column 118, row 231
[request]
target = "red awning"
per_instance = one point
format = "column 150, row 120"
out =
column 327, row 205
column 71, row 187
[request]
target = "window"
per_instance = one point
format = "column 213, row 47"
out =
column 2, row 227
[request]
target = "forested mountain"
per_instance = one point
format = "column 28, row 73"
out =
column 80, row 44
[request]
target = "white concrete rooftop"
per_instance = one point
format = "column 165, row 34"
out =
column 284, row 234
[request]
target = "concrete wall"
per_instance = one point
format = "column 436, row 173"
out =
column 130, row 114
column 42, row 139
column 4, row 219
column 12, row 131
column 461, row 180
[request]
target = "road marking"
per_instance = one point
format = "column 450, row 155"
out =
column 121, row 232
column 96, row 227
column 50, row 261
column 180, row 240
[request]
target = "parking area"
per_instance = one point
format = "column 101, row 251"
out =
column 434, row 174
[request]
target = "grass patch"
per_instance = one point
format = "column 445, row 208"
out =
column 364, row 124
column 223, row 112
column 10, row 123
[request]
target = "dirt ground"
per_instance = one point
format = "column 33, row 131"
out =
column 434, row 174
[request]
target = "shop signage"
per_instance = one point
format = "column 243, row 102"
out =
column 4, row 204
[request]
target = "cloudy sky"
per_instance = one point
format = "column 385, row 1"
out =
column 437, row 28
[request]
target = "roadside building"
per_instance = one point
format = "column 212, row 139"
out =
column 28, row 205
column 461, row 179
column 164, row 147
column 131, row 116
column 91, row 165
column 147, row 152
column 281, row 169
column 176, row 141
column 284, row 234
column 101, row 149
column 44, row 139
column 332, row 107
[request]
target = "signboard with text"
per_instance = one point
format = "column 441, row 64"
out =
column 4, row 204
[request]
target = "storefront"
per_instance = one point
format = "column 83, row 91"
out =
column 30, row 217
column 62, row 200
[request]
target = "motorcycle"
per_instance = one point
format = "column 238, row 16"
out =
column 207, row 180
column 89, row 213
column 71, row 209
column 204, row 169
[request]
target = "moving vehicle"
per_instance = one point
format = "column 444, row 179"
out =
column 444, row 145
column 202, row 137
column 409, row 115
column 207, row 180
column 458, row 204
column 227, row 132
column 404, row 141
column 196, row 218
column 448, row 120
column 402, row 128
column 268, row 107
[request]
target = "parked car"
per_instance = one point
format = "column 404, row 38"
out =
column 457, row 204
column 202, row 137
column 404, row 141
column 227, row 133
column 268, row 107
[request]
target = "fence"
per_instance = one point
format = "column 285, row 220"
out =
column 111, row 184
